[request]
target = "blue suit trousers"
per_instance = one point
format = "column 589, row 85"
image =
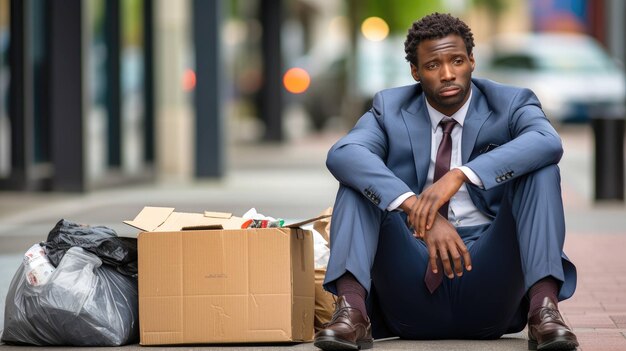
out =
column 523, row 244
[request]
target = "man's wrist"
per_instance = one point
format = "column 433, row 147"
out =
column 471, row 176
column 407, row 204
column 459, row 174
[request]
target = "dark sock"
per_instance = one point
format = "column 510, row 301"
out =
column 546, row 287
column 353, row 292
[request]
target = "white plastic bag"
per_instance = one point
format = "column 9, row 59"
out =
column 37, row 266
column 81, row 304
column 321, row 252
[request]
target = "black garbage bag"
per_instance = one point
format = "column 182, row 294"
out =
column 99, row 240
column 81, row 303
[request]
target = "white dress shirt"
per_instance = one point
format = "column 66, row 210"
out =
column 461, row 211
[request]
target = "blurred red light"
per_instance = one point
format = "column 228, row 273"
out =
column 189, row 80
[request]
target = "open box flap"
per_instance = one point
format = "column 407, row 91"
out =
column 180, row 220
column 306, row 221
column 225, row 215
column 150, row 218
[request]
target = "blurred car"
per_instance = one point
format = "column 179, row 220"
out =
column 327, row 93
column 334, row 93
column 573, row 76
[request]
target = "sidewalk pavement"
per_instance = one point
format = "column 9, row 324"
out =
column 290, row 181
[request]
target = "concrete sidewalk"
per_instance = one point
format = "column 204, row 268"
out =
column 290, row 181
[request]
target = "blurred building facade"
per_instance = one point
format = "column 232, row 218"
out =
column 81, row 108
column 103, row 92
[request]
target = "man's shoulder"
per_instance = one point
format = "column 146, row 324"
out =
column 497, row 93
column 401, row 91
column 487, row 86
column 397, row 97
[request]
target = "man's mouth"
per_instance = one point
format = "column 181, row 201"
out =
column 449, row 91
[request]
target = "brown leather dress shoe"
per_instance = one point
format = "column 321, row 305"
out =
column 547, row 330
column 348, row 329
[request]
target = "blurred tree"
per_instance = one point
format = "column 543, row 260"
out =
column 399, row 14
column 132, row 22
column 494, row 8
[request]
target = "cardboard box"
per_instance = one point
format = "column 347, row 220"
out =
column 222, row 285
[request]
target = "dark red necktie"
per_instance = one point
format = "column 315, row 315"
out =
column 442, row 166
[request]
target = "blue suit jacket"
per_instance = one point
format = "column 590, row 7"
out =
column 387, row 153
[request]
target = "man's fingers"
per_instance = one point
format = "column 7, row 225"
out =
column 432, row 257
column 423, row 216
column 419, row 235
column 466, row 256
column 432, row 214
column 464, row 253
column 453, row 260
column 468, row 261
column 453, row 254
column 456, row 260
column 445, row 260
column 420, row 219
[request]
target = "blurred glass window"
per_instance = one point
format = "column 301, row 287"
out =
column 582, row 57
column 132, row 71
column 514, row 62
column 96, row 120
column 40, row 60
column 5, row 132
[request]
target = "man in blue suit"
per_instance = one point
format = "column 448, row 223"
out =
column 451, row 176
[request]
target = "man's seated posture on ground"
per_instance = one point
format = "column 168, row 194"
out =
column 454, row 176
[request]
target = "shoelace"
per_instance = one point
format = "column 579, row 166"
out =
column 552, row 313
column 342, row 312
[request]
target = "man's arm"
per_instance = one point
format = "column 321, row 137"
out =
column 357, row 159
column 534, row 144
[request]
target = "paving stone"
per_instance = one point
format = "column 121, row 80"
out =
column 602, row 341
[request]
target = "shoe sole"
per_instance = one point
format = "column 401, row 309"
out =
column 331, row 344
column 558, row 344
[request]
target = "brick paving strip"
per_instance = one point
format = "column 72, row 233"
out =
column 597, row 311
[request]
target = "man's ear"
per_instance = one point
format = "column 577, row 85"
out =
column 472, row 61
column 414, row 73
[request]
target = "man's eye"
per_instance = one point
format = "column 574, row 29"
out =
column 431, row 66
column 458, row 61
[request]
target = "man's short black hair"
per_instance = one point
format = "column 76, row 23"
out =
column 436, row 26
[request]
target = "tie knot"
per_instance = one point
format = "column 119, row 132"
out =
column 447, row 125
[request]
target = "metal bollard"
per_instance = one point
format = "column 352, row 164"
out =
column 609, row 158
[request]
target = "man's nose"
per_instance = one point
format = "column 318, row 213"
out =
column 447, row 73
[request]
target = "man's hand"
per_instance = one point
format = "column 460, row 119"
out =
column 424, row 211
column 444, row 242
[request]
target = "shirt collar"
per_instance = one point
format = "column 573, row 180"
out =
column 459, row 116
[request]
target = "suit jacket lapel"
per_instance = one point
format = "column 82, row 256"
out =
column 476, row 116
column 418, row 124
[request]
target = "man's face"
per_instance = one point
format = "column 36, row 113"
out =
column 445, row 71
